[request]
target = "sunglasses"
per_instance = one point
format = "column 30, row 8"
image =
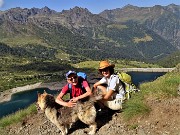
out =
column 71, row 79
column 104, row 70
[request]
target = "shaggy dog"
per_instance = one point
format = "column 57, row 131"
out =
column 64, row 117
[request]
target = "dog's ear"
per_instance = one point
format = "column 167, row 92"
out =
column 38, row 94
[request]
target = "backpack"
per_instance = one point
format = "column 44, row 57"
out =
column 124, row 77
column 82, row 75
column 129, row 87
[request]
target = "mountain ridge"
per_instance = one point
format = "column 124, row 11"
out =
column 156, row 18
column 100, row 36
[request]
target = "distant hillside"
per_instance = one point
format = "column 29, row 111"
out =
column 163, row 20
column 171, row 60
column 77, row 35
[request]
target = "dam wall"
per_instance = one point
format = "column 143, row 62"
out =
column 146, row 69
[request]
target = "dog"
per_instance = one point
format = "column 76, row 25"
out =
column 64, row 117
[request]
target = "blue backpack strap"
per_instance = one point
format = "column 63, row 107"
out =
column 82, row 74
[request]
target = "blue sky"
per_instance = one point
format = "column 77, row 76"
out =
column 94, row 6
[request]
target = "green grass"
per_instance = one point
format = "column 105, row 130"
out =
column 118, row 64
column 18, row 116
column 16, row 41
column 135, row 107
column 62, row 55
column 17, row 72
column 118, row 26
column 133, row 126
column 162, row 88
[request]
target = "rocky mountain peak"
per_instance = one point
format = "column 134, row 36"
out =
column 82, row 17
column 129, row 6
column 77, row 11
column 174, row 9
column 172, row 5
column 21, row 15
column 47, row 11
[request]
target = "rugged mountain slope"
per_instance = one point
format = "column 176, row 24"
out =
column 163, row 20
column 80, row 34
column 171, row 60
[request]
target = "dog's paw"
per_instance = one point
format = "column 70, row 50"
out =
column 92, row 129
column 91, row 133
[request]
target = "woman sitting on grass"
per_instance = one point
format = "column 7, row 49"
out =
column 111, row 87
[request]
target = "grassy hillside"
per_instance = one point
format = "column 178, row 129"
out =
column 127, row 40
column 118, row 64
column 161, row 89
column 171, row 60
column 20, row 71
column 40, row 38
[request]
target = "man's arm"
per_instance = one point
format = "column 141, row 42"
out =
column 60, row 101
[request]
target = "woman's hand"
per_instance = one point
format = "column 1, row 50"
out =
column 95, row 86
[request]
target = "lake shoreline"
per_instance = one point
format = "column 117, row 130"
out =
column 6, row 95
